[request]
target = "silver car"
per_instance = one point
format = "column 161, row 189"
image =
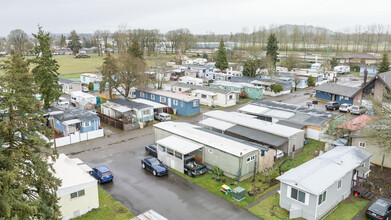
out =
column 357, row 110
column 345, row 107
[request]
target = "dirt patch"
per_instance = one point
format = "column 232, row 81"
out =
column 381, row 181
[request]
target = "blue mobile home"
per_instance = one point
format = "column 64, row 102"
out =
column 70, row 121
column 95, row 79
column 182, row 104
column 339, row 93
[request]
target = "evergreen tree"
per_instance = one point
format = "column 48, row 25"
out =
column 221, row 58
column 272, row 47
column 334, row 62
column 63, row 41
column 384, row 64
column 45, row 72
column 250, row 67
column 311, row 81
column 135, row 50
column 108, row 71
column 28, row 186
column 74, row 43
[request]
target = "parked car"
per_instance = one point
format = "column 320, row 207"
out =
column 62, row 101
column 161, row 116
column 193, row 167
column 151, row 149
column 357, row 110
column 102, row 174
column 174, row 78
column 84, row 89
column 155, row 166
column 380, row 209
column 345, row 107
column 341, row 141
column 332, row 106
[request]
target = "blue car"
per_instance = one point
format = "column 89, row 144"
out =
column 102, row 174
column 155, row 166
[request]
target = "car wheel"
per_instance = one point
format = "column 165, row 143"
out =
column 189, row 173
column 154, row 173
column 143, row 165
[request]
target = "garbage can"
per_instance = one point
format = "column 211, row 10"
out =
column 174, row 111
column 239, row 193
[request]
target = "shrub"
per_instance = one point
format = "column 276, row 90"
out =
column 311, row 81
column 91, row 86
column 277, row 88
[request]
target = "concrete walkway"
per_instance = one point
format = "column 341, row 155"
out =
column 262, row 198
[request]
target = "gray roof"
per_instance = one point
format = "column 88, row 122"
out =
column 73, row 113
column 358, row 55
column 205, row 88
column 66, row 81
column 323, row 171
column 386, row 77
column 259, row 136
column 130, row 103
column 338, row 89
column 286, row 85
column 290, row 124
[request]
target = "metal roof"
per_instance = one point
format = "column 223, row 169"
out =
column 155, row 105
column 321, row 172
column 259, row 136
column 179, row 96
column 253, row 123
column 73, row 113
column 218, row 124
column 130, row 103
column 71, row 122
column 178, row 144
column 337, row 89
column 66, row 81
column 204, row 88
column 194, row 133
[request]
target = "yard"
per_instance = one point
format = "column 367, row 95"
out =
column 70, row 65
column 206, row 181
column 348, row 208
column 109, row 208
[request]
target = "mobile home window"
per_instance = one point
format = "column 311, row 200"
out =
column 178, row 155
column 152, row 96
column 361, row 144
column 73, row 195
column 175, row 102
column 322, row 198
column 78, row 194
column 195, row 103
column 86, row 124
column 146, row 112
column 230, row 96
column 339, row 184
column 162, row 99
column 162, row 148
column 250, row 90
column 141, row 94
column 298, row 195
column 203, row 96
column 170, row 151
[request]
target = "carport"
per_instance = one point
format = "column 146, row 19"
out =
column 172, row 149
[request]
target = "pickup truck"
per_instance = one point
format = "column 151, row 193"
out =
column 193, row 167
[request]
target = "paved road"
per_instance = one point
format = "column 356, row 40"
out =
column 172, row 196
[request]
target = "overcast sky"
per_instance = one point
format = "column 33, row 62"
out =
column 200, row 16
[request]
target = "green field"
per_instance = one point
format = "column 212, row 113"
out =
column 109, row 208
column 69, row 64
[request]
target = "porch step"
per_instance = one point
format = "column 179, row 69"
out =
column 367, row 194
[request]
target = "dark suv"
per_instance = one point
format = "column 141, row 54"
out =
column 332, row 106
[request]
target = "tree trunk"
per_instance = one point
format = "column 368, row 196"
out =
column 382, row 162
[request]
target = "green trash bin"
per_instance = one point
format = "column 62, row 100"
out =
column 239, row 193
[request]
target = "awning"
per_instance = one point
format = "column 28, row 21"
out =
column 179, row 144
column 259, row 136
column 218, row 124
column 71, row 122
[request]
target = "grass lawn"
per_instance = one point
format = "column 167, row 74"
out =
column 245, row 100
column 71, row 76
column 69, row 64
column 109, row 208
column 206, row 182
column 263, row 209
column 348, row 208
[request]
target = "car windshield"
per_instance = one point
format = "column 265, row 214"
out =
column 154, row 162
column 106, row 174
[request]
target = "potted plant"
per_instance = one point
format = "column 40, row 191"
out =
column 251, row 189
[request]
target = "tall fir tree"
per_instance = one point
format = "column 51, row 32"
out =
column 108, row 71
column 74, row 43
column 45, row 70
column 384, row 64
column 28, row 186
column 272, row 47
column 221, row 58
column 135, row 50
column 63, row 41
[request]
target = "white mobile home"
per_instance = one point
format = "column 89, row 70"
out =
column 78, row 193
column 191, row 80
column 69, row 86
column 314, row 188
column 80, row 99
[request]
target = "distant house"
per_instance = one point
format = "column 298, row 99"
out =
column 252, row 91
column 372, row 70
column 376, row 86
column 312, row 121
column 122, row 108
column 78, row 193
column 339, row 93
column 88, row 78
column 208, row 96
column 362, row 140
column 69, row 86
column 75, row 121
column 182, row 104
column 268, row 84
column 284, row 138
column 358, row 59
column 190, row 80
column 314, row 188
